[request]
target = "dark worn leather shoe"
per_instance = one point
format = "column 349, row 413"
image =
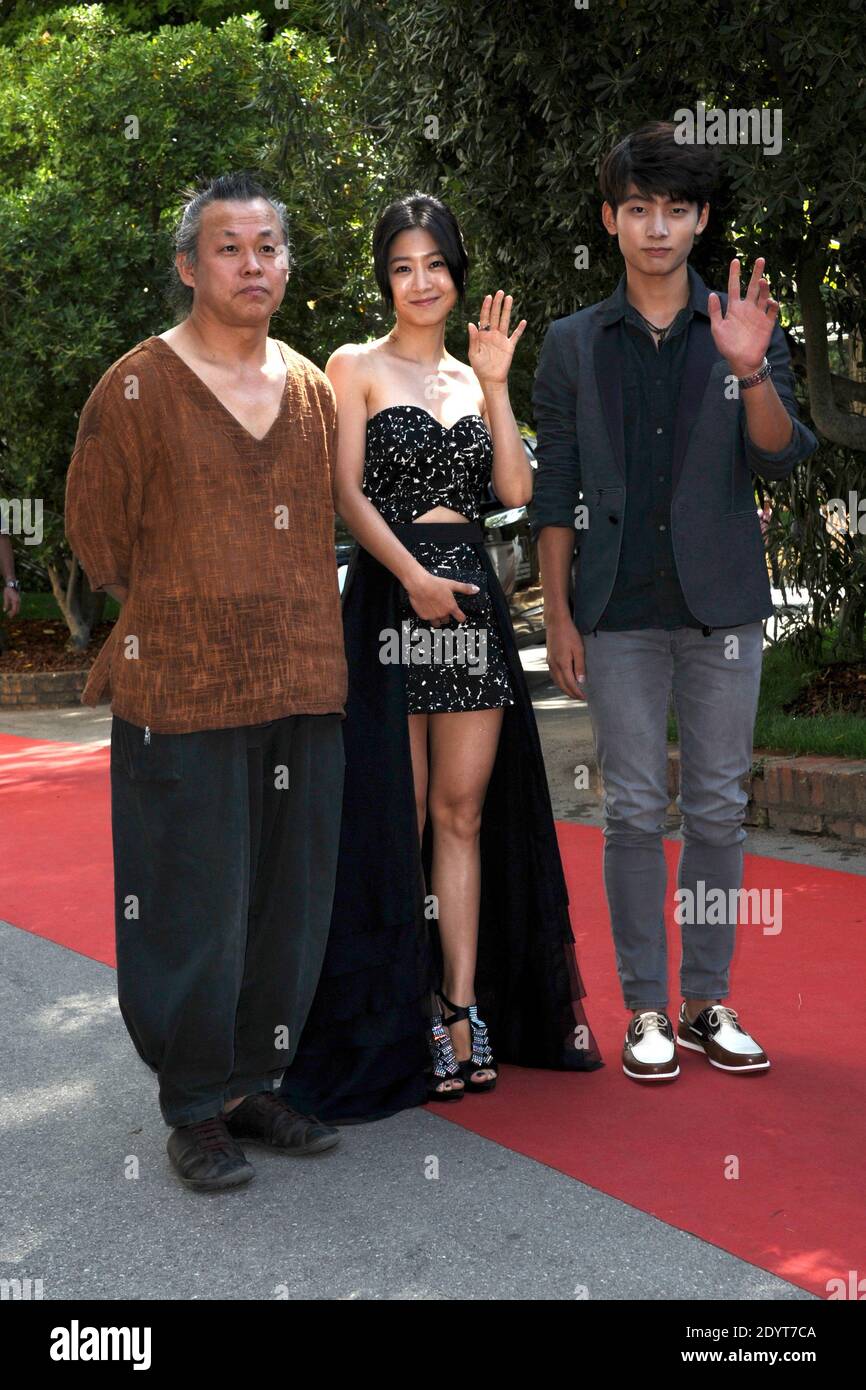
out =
column 206, row 1158
column 266, row 1118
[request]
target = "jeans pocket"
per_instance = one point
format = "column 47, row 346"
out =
column 145, row 756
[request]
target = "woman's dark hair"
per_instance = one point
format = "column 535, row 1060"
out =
column 241, row 187
column 419, row 210
column 652, row 160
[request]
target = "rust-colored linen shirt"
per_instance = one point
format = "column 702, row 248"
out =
column 225, row 542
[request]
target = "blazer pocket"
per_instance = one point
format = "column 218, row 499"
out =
column 146, row 756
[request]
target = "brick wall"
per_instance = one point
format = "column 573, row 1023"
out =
column 41, row 689
column 809, row 795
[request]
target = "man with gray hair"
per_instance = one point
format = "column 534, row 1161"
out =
column 200, row 496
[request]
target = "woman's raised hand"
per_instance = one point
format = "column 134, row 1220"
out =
column 490, row 348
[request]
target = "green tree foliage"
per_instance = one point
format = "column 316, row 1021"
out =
column 504, row 110
column 21, row 16
column 100, row 130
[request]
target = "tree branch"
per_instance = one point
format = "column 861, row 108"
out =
column 845, row 388
column 836, row 425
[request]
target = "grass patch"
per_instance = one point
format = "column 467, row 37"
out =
column 45, row 606
column 784, row 675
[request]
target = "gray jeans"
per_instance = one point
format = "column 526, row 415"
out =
column 714, row 679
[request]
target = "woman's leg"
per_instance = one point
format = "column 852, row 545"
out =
column 462, row 753
column 418, row 747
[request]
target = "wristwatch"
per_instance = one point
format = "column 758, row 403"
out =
column 756, row 377
column 13, row 584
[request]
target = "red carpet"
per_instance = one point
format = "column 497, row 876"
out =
column 796, row 1135
column 58, row 875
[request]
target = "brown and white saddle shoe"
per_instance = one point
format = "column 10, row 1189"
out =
column 649, row 1052
column 717, row 1033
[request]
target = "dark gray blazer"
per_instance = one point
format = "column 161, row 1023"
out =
column 715, row 531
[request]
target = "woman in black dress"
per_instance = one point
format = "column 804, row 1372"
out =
column 449, row 878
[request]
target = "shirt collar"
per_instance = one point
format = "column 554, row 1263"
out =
column 613, row 308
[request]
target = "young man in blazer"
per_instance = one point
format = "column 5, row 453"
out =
column 654, row 408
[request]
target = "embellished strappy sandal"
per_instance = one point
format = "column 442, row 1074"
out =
column 445, row 1064
column 482, row 1058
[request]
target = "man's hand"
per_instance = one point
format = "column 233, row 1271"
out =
column 565, row 657
column 743, row 334
column 11, row 602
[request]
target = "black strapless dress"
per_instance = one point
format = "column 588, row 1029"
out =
column 364, row 1051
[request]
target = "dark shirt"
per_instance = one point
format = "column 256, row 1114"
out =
column 647, row 590
column 714, row 524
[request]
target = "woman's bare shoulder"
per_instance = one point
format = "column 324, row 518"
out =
column 357, row 365
column 352, row 360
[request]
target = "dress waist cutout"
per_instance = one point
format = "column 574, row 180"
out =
column 450, row 531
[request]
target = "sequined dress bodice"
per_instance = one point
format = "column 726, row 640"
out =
column 413, row 463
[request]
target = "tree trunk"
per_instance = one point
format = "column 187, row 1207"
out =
column 839, row 426
column 80, row 606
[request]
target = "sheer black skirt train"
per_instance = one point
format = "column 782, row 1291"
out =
column 364, row 1051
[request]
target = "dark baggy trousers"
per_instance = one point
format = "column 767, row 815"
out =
column 225, row 855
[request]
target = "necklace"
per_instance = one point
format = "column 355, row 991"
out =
column 662, row 332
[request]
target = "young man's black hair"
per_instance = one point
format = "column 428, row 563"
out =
column 651, row 159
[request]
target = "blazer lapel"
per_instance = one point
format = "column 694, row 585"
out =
column 701, row 355
column 609, row 382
